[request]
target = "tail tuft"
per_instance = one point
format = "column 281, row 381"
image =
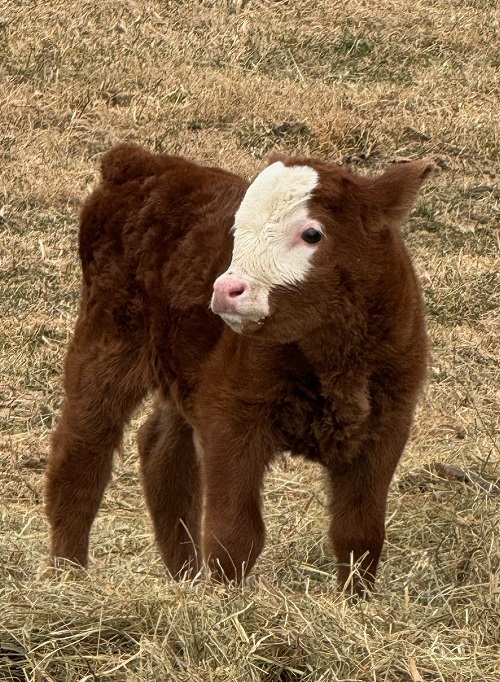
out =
column 128, row 161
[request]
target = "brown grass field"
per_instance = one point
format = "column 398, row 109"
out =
column 360, row 82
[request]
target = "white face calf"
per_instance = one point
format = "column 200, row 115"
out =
column 274, row 240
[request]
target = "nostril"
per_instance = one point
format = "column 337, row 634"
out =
column 236, row 291
column 229, row 292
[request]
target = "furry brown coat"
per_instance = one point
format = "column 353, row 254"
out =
column 332, row 371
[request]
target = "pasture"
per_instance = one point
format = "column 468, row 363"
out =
column 225, row 82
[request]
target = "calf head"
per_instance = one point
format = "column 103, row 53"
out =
column 309, row 238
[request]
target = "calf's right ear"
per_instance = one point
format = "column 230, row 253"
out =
column 394, row 193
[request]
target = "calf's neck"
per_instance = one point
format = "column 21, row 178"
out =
column 281, row 315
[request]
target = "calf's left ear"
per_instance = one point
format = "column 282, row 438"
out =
column 395, row 192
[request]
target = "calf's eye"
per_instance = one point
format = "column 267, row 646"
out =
column 312, row 235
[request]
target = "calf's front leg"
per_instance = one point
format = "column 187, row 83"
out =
column 233, row 465
column 358, row 508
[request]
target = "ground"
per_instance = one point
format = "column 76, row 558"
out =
column 224, row 82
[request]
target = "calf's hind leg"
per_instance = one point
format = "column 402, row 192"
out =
column 171, row 479
column 101, row 392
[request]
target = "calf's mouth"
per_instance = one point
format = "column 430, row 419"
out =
column 243, row 324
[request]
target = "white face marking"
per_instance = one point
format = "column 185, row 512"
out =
column 267, row 249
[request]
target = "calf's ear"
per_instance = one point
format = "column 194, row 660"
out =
column 393, row 194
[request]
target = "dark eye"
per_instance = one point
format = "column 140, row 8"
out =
column 312, row 236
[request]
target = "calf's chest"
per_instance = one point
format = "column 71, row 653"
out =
column 319, row 425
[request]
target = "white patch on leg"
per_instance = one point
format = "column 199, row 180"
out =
column 266, row 251
column 197, row 445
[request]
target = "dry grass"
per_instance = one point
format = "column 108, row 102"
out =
column 224, row 82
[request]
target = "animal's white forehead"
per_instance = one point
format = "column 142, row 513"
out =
column 276, row 194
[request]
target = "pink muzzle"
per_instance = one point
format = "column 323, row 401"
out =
column 228, row 294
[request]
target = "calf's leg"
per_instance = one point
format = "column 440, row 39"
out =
column 358, row 508
column 102, row 389
column 233, row 464
column 171, row 479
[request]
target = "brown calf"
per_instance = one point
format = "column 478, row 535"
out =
column 284, row 315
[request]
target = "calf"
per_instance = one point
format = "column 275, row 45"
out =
column 283, row 315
